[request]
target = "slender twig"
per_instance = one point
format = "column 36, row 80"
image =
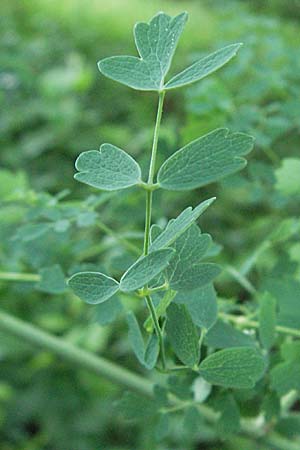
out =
column 16, row 276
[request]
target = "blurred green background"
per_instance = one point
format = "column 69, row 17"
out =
column 55, row 104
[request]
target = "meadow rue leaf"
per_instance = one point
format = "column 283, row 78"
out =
column 287, row 177
column 201, row 304
column 205, row 160
column 147, row 355
column 145, row 269
column 223, row 335
column 93, row 287
column 160, row 309
column 52, row 280
column 203, row 67
column 105, row 313
column 109, row 169
column 183, row 335
column 156, row 42
column 176, row 227
column 31, row 232
column 185, row 272
column 267, row 320
column 239, row 367
column 229, row 420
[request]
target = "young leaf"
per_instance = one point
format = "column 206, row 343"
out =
column 223, row 335
column 267, row 320
column 204, row 67
column 52, row 280
column 93, row 287
column 105, row 313
column 147, row 356
column 145, row 269
column 183, row 335
column 156, row 43
column 151, row 352
column 201, row 304
column 239, row 367
column 178, row 226
column 109, row 169
column 205, row 160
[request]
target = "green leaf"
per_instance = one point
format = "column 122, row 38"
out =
column 203, row 67
column 205, row 160
column 147, row 356
column 185, row 272
column 135, row 407
column 93, row 287
column 183, row 335
column 105, row 313
column 285, row 377
column 156, row 43
column 31, row 232
column 145, row 269
column 239, row 367
column 223, row 335
column 176, row 227
column 229, row 420
column 109, row 169
column 287, row 177
column 267, row 320
column 52, row 280
column 201, row 304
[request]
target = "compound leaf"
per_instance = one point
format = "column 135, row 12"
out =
column 205, row 160
column 204, row 67
column 239, row 367
column 156, row 42
column 183, row 335
column 109, row 169
column 145, row 269
column 178, row 226
column 93, row 287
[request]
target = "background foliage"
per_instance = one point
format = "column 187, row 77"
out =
column 55, row 104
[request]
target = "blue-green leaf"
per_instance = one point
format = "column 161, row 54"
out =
column 145, row 269
column 183, row 335
column 176, row 227
column 267, row 320
column 239, row 367
column 52, row 280
column 223, row 335
column 156, row 43
column 109, row 169
column 205, row 160
column 147, row 355
column 93, row 287
column 204, row 67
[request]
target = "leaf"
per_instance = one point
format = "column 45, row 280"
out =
column 285, row 377
column 135, row 407
column 229, row 421
column 105, row 313
column 156, row 43
column 223, row 335
column 183, row 335
column 178, row 226
column 93, row 287
column 109, row 169
column 185, row 272
column 145, row 269
column 287, row 177
column 31, row 232
column 267, row 320
column 239, row 367
column 201, row 304
column 147, row 356
column 205, row 160
column 52, row 280
column 203, row 67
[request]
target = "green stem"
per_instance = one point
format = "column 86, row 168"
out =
column 79, row 357
column 241, row 279
column 14, row 276
column 157, row 330
column 155, row 137
column 128, row 245
column 245, row 322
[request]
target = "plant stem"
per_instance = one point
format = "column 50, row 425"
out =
column 244, row 322
column 127, row 244
column 241, row 279
column 15, row 276
column 79, row 357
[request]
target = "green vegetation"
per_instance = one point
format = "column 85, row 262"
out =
column 159, row 358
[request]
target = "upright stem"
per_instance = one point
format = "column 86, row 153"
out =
column 148, row 215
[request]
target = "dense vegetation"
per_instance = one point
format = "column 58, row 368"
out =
column 56, row 105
